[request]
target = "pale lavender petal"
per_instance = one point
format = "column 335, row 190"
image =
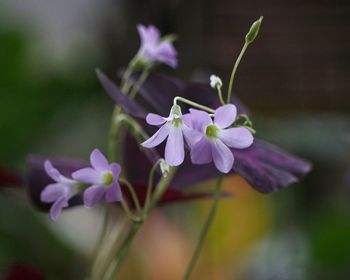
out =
column 87, row 175
column 93, row 195
column 154, row 119
column 191, row 136
column 149, row 35
column 201, row 152
column 237, row 137
column 158, row 137
column 222, row 156
column 174, row 149
column 200, row 120
column 57, row 207
column 52, row 171
column 52, row 192
column 113, row 193
column 116, row 169
column 98, row 160
column 225, row 115
column 166, row 53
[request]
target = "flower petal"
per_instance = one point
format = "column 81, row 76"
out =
column 174, row 149
column 52, row 171
column 201, row 152
column 222, row 156
column 154, row 119
column 52, row 192
column 166, row 53
column 93, row 195
column 87, row 175
column 237, row 137
column 113, row 193
column 99, row 161
column 149, row 35
column 116, row 169
column 225, row 115
column 191, row 136
column 199, row 120
column 57, row 207
column 158, row 137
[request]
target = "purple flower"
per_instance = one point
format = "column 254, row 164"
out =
column 175, row 129
column 57, row 193
column 103, row 178
column 154, row 49
column 217, row 137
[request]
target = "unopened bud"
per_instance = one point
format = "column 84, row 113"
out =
column 253, row 31
column 215, row 81
column 164, row 168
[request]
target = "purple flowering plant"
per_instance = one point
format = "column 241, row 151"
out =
column 192, row 118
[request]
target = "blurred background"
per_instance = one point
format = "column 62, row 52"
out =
column 294, row 78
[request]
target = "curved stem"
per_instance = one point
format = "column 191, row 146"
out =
column 127, row 211
column 138, row 84
column 194, row 104
column 222, row 101
column 150, row 186
column 125, row 246
column 205, row 229
column 132, row 192
column 234, row 70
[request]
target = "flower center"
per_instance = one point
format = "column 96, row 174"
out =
column 176, row 122
column 211, row 131
column 107, row 178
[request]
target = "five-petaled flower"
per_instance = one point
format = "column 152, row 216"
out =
column 173, row 128
column 103, row 178
column 217, row 137
column 59, row 192
column 154, row 48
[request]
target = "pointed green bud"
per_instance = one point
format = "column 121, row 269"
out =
column 253, row 31
column 169, row 38
column 164, row 168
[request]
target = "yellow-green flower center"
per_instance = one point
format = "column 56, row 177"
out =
column 211, row 131
column 176, row 122
column 107, row 178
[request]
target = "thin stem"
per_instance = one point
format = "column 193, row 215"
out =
column 234, row 70
column 125, row 85
column 139, row 83
column 150, row 186
column 125, row 246
column 127, row 211
column 99, row 243
column 194, row 104
column 222, row 101
column 132, row 192
column 205, row 229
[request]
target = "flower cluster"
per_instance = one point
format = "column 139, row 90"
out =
column 208, row 140
column 99, row 183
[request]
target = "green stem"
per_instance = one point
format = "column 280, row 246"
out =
column 205, row 229
column 150, row 186
column 125, row 246
column 132, row 192
column 139, row 83
column 97, row 249
column 127, row 211
column 194, row 104
column 234, row 70
column 222, row 101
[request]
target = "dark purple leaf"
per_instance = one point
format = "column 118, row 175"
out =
column 36, row 178
column 128, row 105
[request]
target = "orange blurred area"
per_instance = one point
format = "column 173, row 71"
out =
column 164, row 247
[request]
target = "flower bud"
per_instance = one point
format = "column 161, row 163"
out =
column 253, row 31
column 164, row 168
column 215, row 81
